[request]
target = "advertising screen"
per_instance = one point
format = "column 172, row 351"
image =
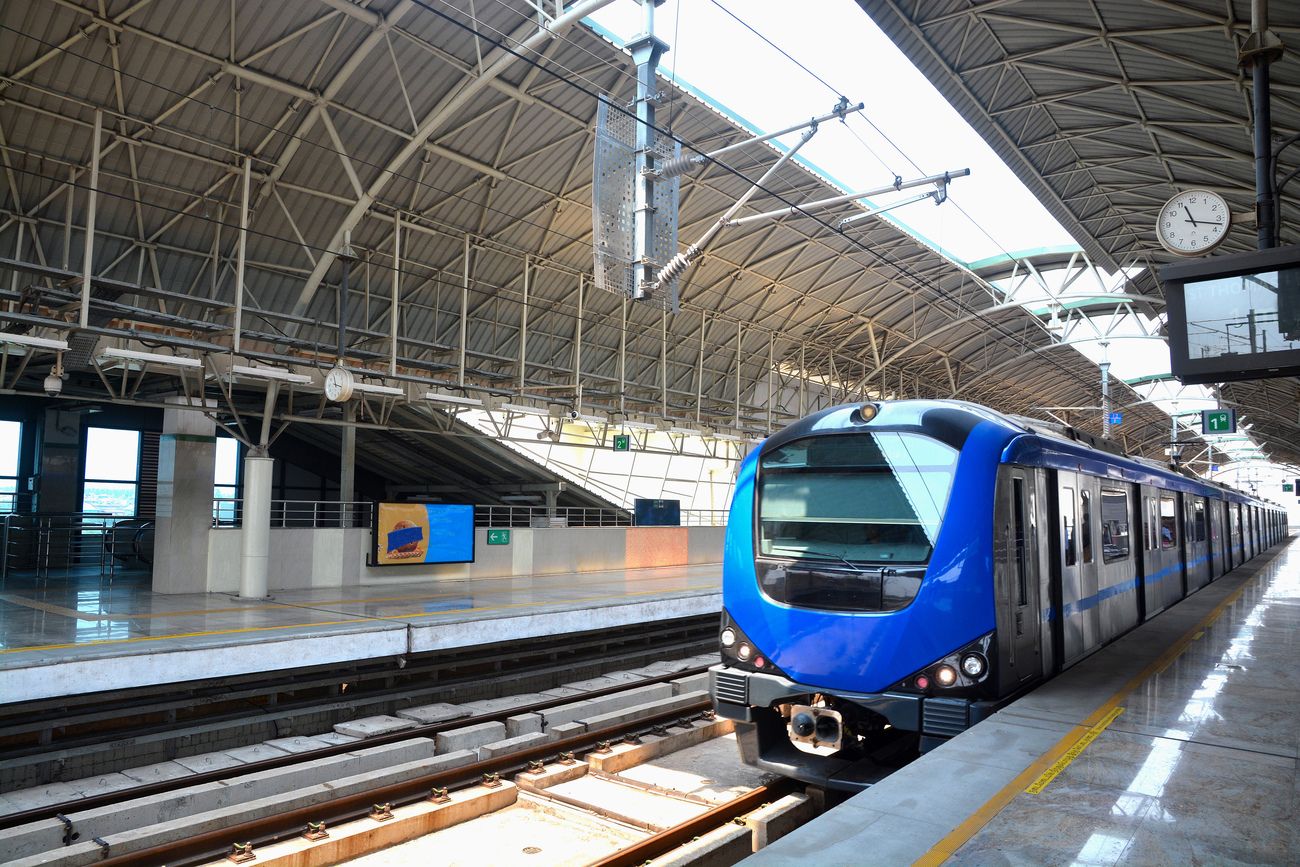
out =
column 406, row 533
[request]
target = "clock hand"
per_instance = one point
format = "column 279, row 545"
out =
column 1190, row 218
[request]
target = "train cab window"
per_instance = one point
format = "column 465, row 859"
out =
column 1068, row 544
column 1115, row 533
column 861, row 497
column 1168, row 523
column 1198, row 521
column 847, row 522
column 1085, row 525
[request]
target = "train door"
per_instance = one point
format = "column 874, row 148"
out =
column 1076, row 640
column 1090, row 564
column 1016, row 577
column 1198, row 553
column 1217, row 564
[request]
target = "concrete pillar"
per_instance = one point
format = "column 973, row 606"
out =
column 186, row 469
column 255, row 542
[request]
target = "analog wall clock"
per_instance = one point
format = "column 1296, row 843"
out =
column 1193, row 222
column 338, row 385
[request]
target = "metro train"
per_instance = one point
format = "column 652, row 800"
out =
column 895, row 572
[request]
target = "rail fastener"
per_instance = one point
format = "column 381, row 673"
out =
column 315, row 831
column 438, row 795
column 492, row 780
column 381, row 812
column 240, row 852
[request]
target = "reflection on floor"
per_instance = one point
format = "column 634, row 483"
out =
column 80, row 620
column 1196, row 719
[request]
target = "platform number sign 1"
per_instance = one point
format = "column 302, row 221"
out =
column 1218, row 421
column 622, row 442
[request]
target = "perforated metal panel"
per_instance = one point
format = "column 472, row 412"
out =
column 612, row 201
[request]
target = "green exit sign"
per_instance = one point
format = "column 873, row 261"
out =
column 1218, row 421
column 498, row 537
column 622, row 442
column 1287, row 487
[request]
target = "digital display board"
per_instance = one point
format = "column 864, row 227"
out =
column 1234, row 317
column 406, row 533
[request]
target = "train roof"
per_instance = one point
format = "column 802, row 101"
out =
column 1032, row 441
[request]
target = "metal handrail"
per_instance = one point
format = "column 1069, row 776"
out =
column 46, row 542
column 319, row 514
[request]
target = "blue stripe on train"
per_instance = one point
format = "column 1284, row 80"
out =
column 1073, row 608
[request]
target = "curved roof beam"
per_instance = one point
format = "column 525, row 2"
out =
column 495, row 64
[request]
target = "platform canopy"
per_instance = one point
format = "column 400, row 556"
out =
column 468, row 127
column 1106, row 109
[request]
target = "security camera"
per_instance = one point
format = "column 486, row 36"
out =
column 572, row 414
column 53, row 384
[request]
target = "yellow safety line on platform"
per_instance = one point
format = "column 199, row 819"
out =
column 1072, row 753
column 355, row 620
column 959, row 836
column 47, row 607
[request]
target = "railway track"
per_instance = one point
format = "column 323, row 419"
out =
column 42, row 742
column 485, row 810
column 185, row 828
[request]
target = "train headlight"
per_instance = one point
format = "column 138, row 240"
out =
column 946, row 675
column 728, row 637
column 974, row 665
column 744, row 652
column 865, row 413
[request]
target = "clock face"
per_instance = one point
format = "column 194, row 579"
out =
column 338, row 385
column 1193, row 222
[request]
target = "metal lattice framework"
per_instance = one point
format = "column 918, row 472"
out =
column 1108, row 108
column 450, row 143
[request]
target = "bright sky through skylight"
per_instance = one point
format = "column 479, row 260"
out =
column 714, row 54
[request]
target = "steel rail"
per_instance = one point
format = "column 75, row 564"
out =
column 679, row 835
column 81, row 805
column 268, row 829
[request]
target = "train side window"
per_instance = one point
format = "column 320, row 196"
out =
column 1198, row 520
column 1153, row 524
column 1067, row 522
column 1022, row 583
column 1085, row 525
column 1168, row 523
column 1115, row 534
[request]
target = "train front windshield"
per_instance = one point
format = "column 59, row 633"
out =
column 861, row 498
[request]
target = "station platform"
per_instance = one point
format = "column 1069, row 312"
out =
column 70, row 637
column 1177, row 744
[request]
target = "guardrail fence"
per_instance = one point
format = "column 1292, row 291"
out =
column 76, row 543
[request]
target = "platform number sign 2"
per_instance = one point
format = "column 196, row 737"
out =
column 1218, row 421
column 622, row 442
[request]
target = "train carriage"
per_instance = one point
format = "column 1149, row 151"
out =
column 895, row 572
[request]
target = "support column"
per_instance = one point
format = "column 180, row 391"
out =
column 348, row 465
column 183, row 521
column 256, row 542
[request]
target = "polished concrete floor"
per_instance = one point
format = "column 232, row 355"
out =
column 1178, row 745
column 78, row 621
